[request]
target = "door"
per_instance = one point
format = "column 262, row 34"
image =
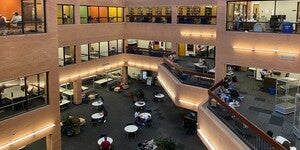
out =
column 181, row 49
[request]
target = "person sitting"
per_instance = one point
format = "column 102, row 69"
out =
column 136, row 114
column 2, row 19
column 202, row 62
column 140, row 146
column 16, row 19
column 105, row 145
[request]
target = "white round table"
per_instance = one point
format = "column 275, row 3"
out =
column 97, row 103
column 131, row 128
column 97, row 115
column 145, row 115
column 109, row 139
column 159, row 95
column 139, row 103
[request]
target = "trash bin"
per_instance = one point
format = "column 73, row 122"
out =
column 287, row 27
column 272, row 91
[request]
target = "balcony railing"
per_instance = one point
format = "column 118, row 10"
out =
column 254, row 137
column 146, row 51
column 189, row 77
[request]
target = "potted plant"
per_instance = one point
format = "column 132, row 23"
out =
column 165, row 143
column 71, row 126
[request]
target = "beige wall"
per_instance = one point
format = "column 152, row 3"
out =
column 23, row 55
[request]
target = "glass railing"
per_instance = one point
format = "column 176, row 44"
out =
column 146, row 51
column 189, row 77
column 248, row 132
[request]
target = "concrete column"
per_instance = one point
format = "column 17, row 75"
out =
column 77, row 97
column 125, row 74
column 174, row 15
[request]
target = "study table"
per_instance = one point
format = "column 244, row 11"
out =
column 101, row 81
column 64, row 104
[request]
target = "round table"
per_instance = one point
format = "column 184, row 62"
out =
column 139, row 103
column 97, row 103
column 159, row 95
column 97, row 115
column 145, row 115
column 131, row 128
column 109, row 139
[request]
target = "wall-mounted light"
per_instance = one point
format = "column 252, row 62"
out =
column 206, row 141
column 170, row 93
column 195, row 34
column 27, row 136
column 186, row 102
column 266, row 50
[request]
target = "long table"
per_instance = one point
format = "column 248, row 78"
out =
column 101, row 81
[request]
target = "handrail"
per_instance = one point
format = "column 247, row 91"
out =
column 244, row 120
column 178, row 67
column 147, row 49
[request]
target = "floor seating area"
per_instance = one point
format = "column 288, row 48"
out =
column 167, row 120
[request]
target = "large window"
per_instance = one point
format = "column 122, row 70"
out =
column 97, row 14
column 66, row 55
column 23, row 94
column 149, row 14
column 65, row 14
column 22, row 17
column 102, row 49
column 197, row 14
column 263, row 16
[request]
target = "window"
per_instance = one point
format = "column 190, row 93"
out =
column 23, row 17
column 100, row 14
column 149, row 14
column 197, row 14
column 262, row 16
column 65, row 14
column 66, row 55
column 23, row 94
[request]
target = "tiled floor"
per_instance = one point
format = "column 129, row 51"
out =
column 258, row 107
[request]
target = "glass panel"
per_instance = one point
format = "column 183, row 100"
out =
column 61, row 57
column 120, row 46
column 22, row 94
column 112, row 14
column 93, row 15
column 83, row 15
column 59, row 14
column 103, row 14
column 84, row 52
column 68, row 55
column 94, row 51
column 103, row 49
column 112, row 48
column 32, row 17
column 120, row 14
column 67, row 14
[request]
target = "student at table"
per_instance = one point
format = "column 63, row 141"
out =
column 15, row 19
column 2, row 19
column 105, row 145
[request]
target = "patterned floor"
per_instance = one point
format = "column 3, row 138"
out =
column 258, row 107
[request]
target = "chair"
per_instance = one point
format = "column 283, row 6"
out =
column 103, row 135
column 257, row 27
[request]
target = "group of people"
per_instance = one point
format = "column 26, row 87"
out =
column 16, row 18
column 142, row 122
column 229, row 94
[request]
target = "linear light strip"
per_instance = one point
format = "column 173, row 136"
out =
column 166, row 88
column 197, row 34
column 27, row 136
column 267, row 50
column 211, row 147
column 186, row 102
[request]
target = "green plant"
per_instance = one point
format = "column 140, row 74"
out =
column 71, row 125
column 165, row 143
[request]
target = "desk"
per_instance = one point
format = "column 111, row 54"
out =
column 200, row 67
column 139, row 104
column 64, row 104
column 109, row 139
column 131, row 129
column 101, row 81
column 97, row 116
